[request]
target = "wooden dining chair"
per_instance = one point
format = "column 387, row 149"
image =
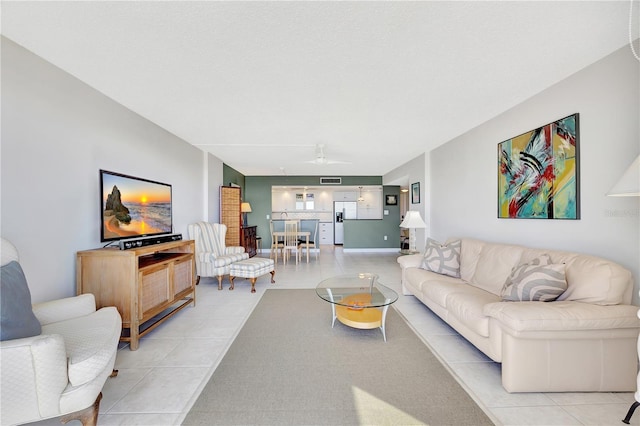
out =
column 312, row 227
column 290, row 240
column 277, row 243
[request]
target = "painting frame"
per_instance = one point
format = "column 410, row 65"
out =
column 391, row 200
column 415, row 193
column 539, row 172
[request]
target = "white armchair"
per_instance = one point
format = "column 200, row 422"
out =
column 213, row 257
column 60, row 370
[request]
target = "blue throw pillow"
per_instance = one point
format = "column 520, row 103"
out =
column 16, row 315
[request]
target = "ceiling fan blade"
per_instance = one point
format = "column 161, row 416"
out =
column 321, row 158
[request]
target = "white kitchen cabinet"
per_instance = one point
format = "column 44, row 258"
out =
column 283, row 201
column 324, row 201
column 345, row 196
column 325, row 232
column 371, row 206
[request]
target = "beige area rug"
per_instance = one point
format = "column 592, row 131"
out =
column 287, row 366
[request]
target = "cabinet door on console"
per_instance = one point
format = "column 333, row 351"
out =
column 154, row 290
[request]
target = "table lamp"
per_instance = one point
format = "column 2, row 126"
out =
column 412, row 220
column 245, row 208
column 629, row 184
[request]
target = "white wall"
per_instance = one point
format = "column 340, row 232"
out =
column 57, row 132
column 412, row 172
column 215, row 167
column 464, row 171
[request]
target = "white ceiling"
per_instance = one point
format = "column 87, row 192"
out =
column 259, row 84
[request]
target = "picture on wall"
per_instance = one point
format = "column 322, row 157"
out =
column 538, row 173
column 391, row 200
column 415, row 193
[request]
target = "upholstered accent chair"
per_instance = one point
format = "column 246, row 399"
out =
column 55, row 356
column 213, row 257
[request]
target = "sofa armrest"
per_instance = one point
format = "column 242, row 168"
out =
column 234, row 250
column 410, row 261
column 64, row 309
column 562, row 316
column 35, row 371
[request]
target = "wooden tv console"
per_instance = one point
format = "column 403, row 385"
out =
column 147, row 285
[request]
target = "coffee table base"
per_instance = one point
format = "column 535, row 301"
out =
column 361, row 318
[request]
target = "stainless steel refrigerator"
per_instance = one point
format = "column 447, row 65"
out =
column 342, row 210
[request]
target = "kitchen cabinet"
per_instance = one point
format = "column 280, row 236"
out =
column 283, row 201
column 345, row 196
column 371, row 205
column 324, row 201
column 325, row 232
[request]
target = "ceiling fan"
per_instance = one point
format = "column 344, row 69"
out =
column 321, row 158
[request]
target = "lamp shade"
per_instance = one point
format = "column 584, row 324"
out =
column 413, row 220
column 629, row 183
column 245, row 208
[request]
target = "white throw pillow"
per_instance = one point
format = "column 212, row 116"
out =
column 540, row 280
column 443, row 258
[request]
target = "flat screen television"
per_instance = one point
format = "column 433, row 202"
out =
column 133, row 207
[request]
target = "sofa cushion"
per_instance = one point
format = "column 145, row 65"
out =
column 595, row 280
column 17, row 319
column 538, row 280
column 222, row 260
column 468, row 305
column 494, row 266
column 469, row 256
column 438, row 289
column 562, row 316
column 90, row 342
column 442, row 258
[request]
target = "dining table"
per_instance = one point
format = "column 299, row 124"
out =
column 276, row 234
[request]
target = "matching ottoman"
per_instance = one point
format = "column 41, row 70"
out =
column 251, row 268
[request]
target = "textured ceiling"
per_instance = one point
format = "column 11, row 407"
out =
column 259, row 84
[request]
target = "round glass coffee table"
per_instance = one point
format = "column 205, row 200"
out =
column 357, row 300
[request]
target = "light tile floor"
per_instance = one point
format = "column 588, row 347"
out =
column 158, row 383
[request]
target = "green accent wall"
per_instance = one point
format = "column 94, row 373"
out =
column 231, row 175
column 370, row 233
column 358, row 233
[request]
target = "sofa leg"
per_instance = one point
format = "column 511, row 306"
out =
column 219, row 282
column 88, row 416
column 197, row 279
column 114, row 373
column 630, row 412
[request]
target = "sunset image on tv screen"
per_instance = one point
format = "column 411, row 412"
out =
column 133, row 207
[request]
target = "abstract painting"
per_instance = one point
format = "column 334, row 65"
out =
column 538, row 173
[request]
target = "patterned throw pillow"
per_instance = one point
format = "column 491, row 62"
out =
column 540, row 280
column 443, row 258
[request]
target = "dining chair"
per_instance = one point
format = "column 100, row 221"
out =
column 290, row 240
column 277, row 243
column 312, row 227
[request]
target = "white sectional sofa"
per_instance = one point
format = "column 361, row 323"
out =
column 583, row 341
